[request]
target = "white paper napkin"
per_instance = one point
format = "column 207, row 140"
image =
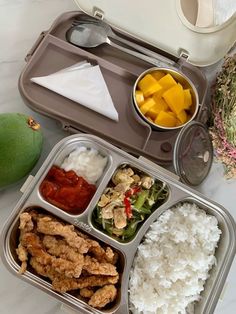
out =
column 82, row 83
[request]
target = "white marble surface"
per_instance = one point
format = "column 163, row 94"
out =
column 21, row 21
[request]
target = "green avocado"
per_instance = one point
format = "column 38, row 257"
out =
column 20, row 146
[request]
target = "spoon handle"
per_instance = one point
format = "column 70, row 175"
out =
column 144, row 50
column 137, row 54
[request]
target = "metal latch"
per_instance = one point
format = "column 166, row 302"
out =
column 35, row 46
column 26, row 184
column 98, row 13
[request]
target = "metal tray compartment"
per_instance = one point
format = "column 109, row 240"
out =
column 178, row 192
column 52, row 53
column 72, row 297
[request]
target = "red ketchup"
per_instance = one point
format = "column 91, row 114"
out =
column 66, row 190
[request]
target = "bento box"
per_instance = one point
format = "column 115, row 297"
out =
column 86, row 257
column 83, row 224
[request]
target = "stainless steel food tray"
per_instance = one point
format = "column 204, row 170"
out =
column 52, row 53
column 177, row 193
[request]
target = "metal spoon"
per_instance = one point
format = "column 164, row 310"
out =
column 110, row 34
column 90, row 35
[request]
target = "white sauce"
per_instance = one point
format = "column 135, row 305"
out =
column 86, row 162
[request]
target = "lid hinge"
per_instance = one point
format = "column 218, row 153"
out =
column 98, row 13
column 183, row 57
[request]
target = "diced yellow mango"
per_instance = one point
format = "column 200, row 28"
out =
column 187, row 98
column 167, row 82
column 178, row 123
column 165, row 119
column 172, row 113
column 153, row 112
column 174, row 97
column 162, row 105
column 182, row 116
column 158, row 75
column 149, row 119
column 149, row 85
column 147, row 104
column 139, row 97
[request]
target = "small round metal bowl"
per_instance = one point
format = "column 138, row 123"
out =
column 179, row 78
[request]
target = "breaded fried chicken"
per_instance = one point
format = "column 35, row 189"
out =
column 26, row 223
column 103, row 296
column 92, row 266
column 63, row 285
column 70, row 259
column 35, row 247
column 103, row 256
column 60, row 248
column 86, row 292
column 49, row 226
column 23, row 257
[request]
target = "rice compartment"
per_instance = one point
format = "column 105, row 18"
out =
column 172, row 263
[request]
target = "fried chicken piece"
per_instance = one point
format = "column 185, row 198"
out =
column 104, row 256
column 92, row 266
column 23, row 257
column 44, row 270
column 103, row 296
column 26, row 223
column 86, row 292
column 34, row 246
column 49, row 226
column 111, row 256
column 61, row 249
column 67, row 284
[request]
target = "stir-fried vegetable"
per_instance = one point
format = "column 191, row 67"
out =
column 129, row 200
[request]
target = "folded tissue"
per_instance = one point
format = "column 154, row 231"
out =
column 84, row 84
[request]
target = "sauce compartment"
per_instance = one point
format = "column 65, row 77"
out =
column 51, row 263
column 74, row 177
column 219, row 235
column 130, row 197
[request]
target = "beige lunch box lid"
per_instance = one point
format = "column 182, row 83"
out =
column 166, row 25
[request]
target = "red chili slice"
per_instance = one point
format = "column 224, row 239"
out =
column 127, row 203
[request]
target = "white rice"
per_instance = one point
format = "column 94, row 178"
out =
column 172, row 263
column 86, row 162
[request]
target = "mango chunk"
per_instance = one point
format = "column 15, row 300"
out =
column 165, row 119
column 153, row 112
column 172, row 113
column 149, row 85
column 182, row 116
column 147, row 104
column 174, row 97
column 150, row 119
column 160, row 102
column 158, row 75
column 187, row 98
column 139, row 97
column 167, row 82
